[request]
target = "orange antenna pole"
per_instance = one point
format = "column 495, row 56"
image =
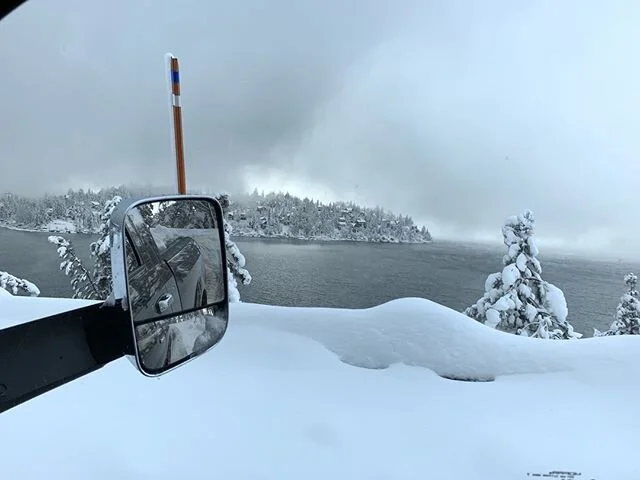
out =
column 176, row 108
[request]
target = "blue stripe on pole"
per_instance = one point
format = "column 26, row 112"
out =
column 175, row 77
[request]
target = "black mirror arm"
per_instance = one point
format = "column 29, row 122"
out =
column 43, row 354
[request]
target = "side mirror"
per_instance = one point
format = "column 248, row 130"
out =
column 169, row 269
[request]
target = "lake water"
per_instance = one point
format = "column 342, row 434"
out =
column 358, row 275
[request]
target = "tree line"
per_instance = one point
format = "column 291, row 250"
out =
column 279, row 215
column 287, row 216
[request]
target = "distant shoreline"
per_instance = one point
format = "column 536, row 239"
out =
column 328, row 239
column 236, row 236
column 43, row 230
column 19, row 229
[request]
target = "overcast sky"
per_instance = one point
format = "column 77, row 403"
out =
column 458, row 113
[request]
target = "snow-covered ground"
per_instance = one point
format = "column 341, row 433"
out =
column 274, row 400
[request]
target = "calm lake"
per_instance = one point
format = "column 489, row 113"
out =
column 358, row 275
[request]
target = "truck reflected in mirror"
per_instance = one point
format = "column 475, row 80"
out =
column 176, row 279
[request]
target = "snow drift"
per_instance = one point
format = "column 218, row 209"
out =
column 273, row 400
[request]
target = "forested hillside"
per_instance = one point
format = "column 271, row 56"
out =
column 274, row 215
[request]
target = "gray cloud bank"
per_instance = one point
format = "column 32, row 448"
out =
column 459, row 113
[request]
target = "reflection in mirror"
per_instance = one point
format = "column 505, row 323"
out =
column 164, row 343
column 175, row 279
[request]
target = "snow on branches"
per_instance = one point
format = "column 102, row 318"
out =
column 517, row 299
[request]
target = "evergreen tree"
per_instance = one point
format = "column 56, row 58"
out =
column 627, row 317
column 96, row 285
column 235, row 260
column 79, row 277
column 517, row 300
column 101, row 249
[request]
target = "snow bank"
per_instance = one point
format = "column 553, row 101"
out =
column 418, row 332
column 273, row 400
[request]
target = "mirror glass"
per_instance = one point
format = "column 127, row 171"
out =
column 175, row 269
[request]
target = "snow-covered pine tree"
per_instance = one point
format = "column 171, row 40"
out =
column 517, row 300
column 627, row 317
column 12, row 284
column 235, row 260
column 79, row 277
column 96, row 285
column 101, row 249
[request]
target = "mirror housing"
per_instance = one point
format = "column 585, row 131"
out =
column 169, row 271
